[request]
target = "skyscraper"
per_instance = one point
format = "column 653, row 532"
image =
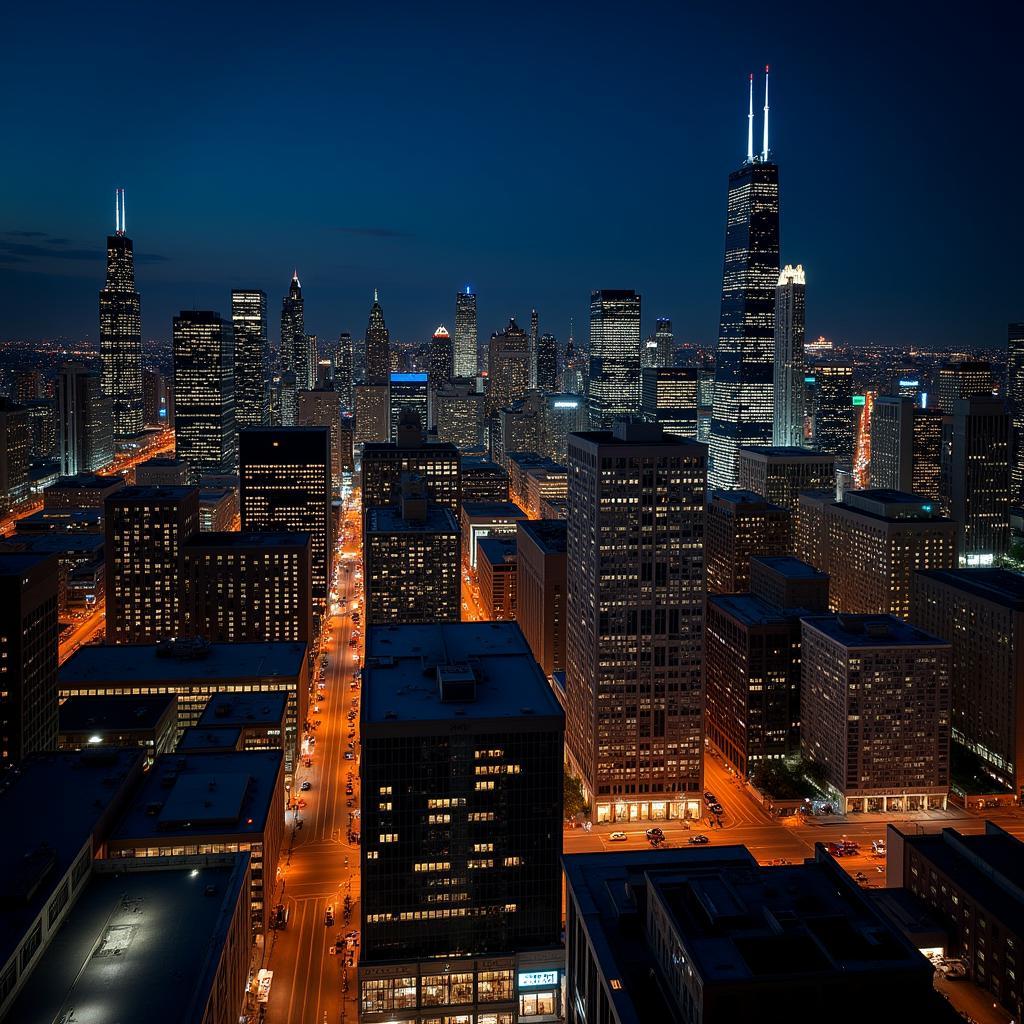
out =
column 121, row 329
column 669, row 396
column 252, row 357
column 547, row 362
column 378, row 352
column 534, row 329
column 408, row 392
column 508, row 366
column 834, row 410
column 343, row 370
column 15, row 443
column 1015, row 401
column 743, row 406
column 963, row 380
column 85, row 437
column 322, row 408
column 635, row 621
column 205, row 433
column 614, row 356
column 465, row 334
column 441, row 361
column 789, row 357
column 294, row 346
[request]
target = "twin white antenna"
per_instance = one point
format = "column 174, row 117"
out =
column 119, row 211
column 750, row 121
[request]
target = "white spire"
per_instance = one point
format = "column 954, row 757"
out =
column 375, row 296
column 764, row 150
column 119, row 211
column 750, row 124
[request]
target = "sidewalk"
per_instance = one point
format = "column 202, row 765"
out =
column 906, row 818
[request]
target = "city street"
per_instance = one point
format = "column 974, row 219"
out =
column 323, row 867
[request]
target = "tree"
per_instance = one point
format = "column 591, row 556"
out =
column 575, row 802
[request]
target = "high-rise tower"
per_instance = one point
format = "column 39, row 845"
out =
column 294, row 346
column 252, row 357
column 789, row 357
column 534, row 337
column 1015, row 401
column 742, row 408
column 378, row 347
column 614, row 356
column 121, row 329
column 465, row 334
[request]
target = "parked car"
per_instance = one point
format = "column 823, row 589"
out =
column 699, row 840
column 655, row 833
column 617, row 837
column 306, row 786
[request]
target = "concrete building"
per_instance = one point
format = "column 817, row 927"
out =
column 79, row 564
column 322, row 408
column 197, row 804
column 780, row 474
column 905, row 447
column 15, row 446
column 739, row 524
column 709, row 936
column 981, row 613
column 370, row 403
column 83, row 490
column 437, row 464
column 874, row 541
column 482, row 519
column 635, row 621
column 483, row 480
column 28, row 655
column 669, row 396
column 875, row 711
column 248, row 587
column 149, row 722
column 497, row 573
column 541, row 599
column 261, row 718
column 194, row 671
column 460, row 413
column 461, row 796
column 162, row 472
column 218, row 509
column 966, row 379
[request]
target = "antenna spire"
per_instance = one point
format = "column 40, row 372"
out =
column 764, row 150
column 374, row 296
column 750, row 124
column 119, row 211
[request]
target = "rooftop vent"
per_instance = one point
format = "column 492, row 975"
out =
column 456, row 684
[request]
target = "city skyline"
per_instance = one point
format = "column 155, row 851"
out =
column 531, row 239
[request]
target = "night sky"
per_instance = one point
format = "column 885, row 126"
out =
column 535, row 151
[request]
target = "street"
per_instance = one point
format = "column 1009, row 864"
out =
column 323, row 867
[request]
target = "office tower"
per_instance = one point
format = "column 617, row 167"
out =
column 540, row 609
column 157, row 399
column 664, row 343
column 169, row 472
column 461, row 797
column 905, row 447
column 981, row 613
column 834, row 410
column 963, row 380
column 459, row 413
column 508, row 366
column 614, row 356
column 28, row 655
column 874, row 541
column 780, row 474
column 669, row 396
column 252, row 357
column 121, row 329
column 465, row 334
column 635, row 621
column 1015, row 402
column 378, row 351
column 15, row 441
column 85, row 490
column 743, row 401
column 205, row 432
column 698, row 936
column 561, row 416
column 875, row 711
column 739, row 524
column 482, row 479
column 312, row 360
column 372, row 414
column 42, row 428
column 442, row 359
column 497, row 577
column 979, row 477
column 547, row 363
column 411, row 550
column 927, row 449
column 787, row 582
column 790, row 297
column 288, row 385
column 85, row 431
column 534, row 339
column 437, row 464
column 532, row 476
column 322, row 408
column 519, row 427
column 294, row 353
column 29, row 385
column 145, row 529
column 286, row 486
column 479, row 520
column 343, row 376
column 248, row 587
column 409, row 394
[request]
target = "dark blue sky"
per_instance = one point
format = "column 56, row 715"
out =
column 534, row 150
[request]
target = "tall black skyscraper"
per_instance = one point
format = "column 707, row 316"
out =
column 121, row 329
column 252, row 357
column 614, row 356
column 85, row 440
column 294, row 344
column 378, row 350
column 1015, row 401
column 742, row 409
column 465, row 334
column 547, row 363
column 343, row 369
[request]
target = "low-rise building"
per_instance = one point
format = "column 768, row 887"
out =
column 481, row 519
column 541, row 594
column 83, row 490
column 497, row 574
column 149, row 722
column 483, row 480
column 261, row 717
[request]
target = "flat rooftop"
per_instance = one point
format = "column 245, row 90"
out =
column 388, row 519
column 138, row 945
column 197, row 739
column 85, row 481
column 162, row 462
column 150, row 492
column 481, row 464
column 52, row 804
column 77, row 542
column 1000, row 586
column 740, row 497
column 237, row 539
column 112, row 663
column 115, row 712
column 497, row 550
column 14, row 563
column 789, row 567
column 204, row 794
column 400, row 674
column 786, row 452
column 644, row 435
column 753, row 611
column 550, row 535
column 245, row 708
column 60, row 519
column 872, row 631
column 493, row 510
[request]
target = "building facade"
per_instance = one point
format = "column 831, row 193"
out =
column 252, row 357
column 740, row 524
column 614, row 356
column 790, row 314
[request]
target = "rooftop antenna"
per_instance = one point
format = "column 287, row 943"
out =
column 750, row 124
column 119, row 211
column 375, row 296
column 764, row 153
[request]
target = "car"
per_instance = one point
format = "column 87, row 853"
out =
column 716, row 808
column 306, row 786
column 349, row 755
column 699, row 840
column 617, row 837
column 655, row 833
column 329, row 915
column 710, row 797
